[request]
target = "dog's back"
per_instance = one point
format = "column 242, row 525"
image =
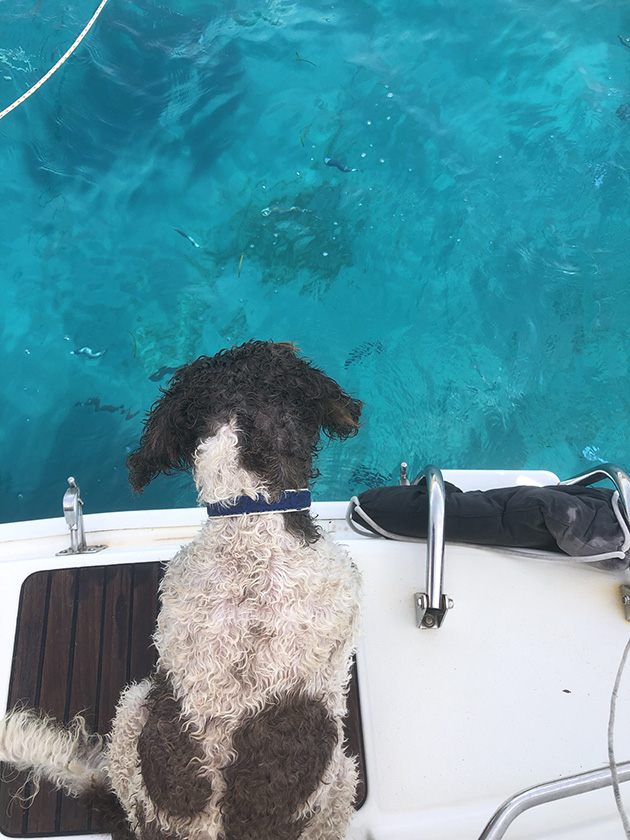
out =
column 238, row 734
column 254, row 640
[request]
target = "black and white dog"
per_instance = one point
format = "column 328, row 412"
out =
column 238, row 733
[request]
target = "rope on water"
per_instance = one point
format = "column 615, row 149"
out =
column 56, row 67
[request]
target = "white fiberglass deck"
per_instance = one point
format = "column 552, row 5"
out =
column 513, row 689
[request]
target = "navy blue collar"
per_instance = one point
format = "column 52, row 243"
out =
column 288, row 501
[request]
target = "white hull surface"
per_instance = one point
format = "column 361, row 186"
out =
column 511, row 691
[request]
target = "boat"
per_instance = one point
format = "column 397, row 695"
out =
column 486, row 679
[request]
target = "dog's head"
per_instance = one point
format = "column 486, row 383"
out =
column 270, row 402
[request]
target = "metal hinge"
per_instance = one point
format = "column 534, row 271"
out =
column 427, row 618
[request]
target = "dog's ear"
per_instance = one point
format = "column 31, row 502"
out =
column 335, row 412
column 171, row 431
column 340, row 412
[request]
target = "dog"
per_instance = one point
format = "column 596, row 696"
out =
column 237, row 735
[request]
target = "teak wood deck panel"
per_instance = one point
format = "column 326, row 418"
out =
column 82, row 634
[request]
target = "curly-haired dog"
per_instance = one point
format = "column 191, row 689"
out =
column 238, row 734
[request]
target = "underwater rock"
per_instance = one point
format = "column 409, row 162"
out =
column 623, row 111
column 308, row 247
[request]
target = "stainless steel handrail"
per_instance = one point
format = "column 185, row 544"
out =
column 619, row 478
column 505, row 815
column 432, row 606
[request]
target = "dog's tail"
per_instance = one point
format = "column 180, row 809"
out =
column 68, row 756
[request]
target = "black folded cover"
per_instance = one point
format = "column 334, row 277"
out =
column 575, row 520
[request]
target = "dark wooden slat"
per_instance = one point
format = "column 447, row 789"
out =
column 82, row 635
column 142, row 656
column 114, row 671
column 83, row 677
column 54, row 681
column 32, row 620
column 54, row 684
column 114, row 643
column 25, row 674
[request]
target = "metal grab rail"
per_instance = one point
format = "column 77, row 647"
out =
column 505, row 815
column 432, row 605
column 619, row 478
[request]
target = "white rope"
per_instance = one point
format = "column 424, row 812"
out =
column 52, row 70
column 611, row 749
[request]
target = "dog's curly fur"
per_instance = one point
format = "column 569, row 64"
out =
column 238, row 734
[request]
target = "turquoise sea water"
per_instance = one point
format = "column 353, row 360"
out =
column 470, row 282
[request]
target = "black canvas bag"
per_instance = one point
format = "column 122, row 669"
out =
column 581, row 522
